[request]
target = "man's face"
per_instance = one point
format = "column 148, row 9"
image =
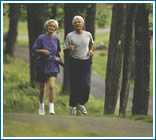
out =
column 51, row 27
column 78, row 24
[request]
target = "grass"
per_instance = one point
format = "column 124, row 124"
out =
column 20, row 96
column 144, row 118
column 22, row 38
column 99, row 63
column 102, row 37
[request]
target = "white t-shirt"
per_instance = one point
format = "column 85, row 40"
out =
column 81, row 43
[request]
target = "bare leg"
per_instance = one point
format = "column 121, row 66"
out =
column 51, row 87
column 41, row 99
column 41, row 94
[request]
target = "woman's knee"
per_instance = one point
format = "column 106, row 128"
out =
column 51, row 83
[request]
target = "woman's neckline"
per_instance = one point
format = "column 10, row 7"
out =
column 51, row 35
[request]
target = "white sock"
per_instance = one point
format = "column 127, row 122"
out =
column 42, row 106
column 41, row 109
column 51, row 108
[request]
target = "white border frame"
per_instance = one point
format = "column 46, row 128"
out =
column 102, row 2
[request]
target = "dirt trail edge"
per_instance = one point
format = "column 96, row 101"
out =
column 24, row 124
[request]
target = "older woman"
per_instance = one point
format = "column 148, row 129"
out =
column 45, row 52
column 80, row 43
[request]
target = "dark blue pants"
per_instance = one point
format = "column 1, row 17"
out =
column 80, row 79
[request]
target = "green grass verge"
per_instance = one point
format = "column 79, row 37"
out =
column 99, row 63
column 20, row 96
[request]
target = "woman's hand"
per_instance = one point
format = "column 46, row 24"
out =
column 46, row 52
column 57, row 58
column 43, row 51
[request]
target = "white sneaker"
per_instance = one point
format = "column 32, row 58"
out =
column 73, row 111
column 51, row 108
column 41, row 110
column 82, row 109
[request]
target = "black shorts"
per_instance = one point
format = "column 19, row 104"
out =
column 41, row 77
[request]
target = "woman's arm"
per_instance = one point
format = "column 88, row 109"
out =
column 38, row 49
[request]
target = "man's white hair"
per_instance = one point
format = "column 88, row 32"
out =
column 78, row 17
column 50, row 20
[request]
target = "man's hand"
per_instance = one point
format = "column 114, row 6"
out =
column 91, row 53
column 71, row 47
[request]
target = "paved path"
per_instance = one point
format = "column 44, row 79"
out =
column 24, row 125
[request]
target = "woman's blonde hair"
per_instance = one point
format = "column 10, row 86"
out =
column 50, row 20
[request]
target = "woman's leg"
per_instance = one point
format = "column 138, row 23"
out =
column 41, row 98
column 41, row 92
column 51, row 86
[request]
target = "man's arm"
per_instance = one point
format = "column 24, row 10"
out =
column 91, row 48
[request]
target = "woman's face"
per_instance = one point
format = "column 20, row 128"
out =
column 78, row 24
column 51, row 27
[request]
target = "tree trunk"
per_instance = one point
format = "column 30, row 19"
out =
column 37, row 15
column 127, row 39
column 14, row 10
column 114, row 61
column 90, row 19
column 68, row 16
column 142, row 62
column 53, row 11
